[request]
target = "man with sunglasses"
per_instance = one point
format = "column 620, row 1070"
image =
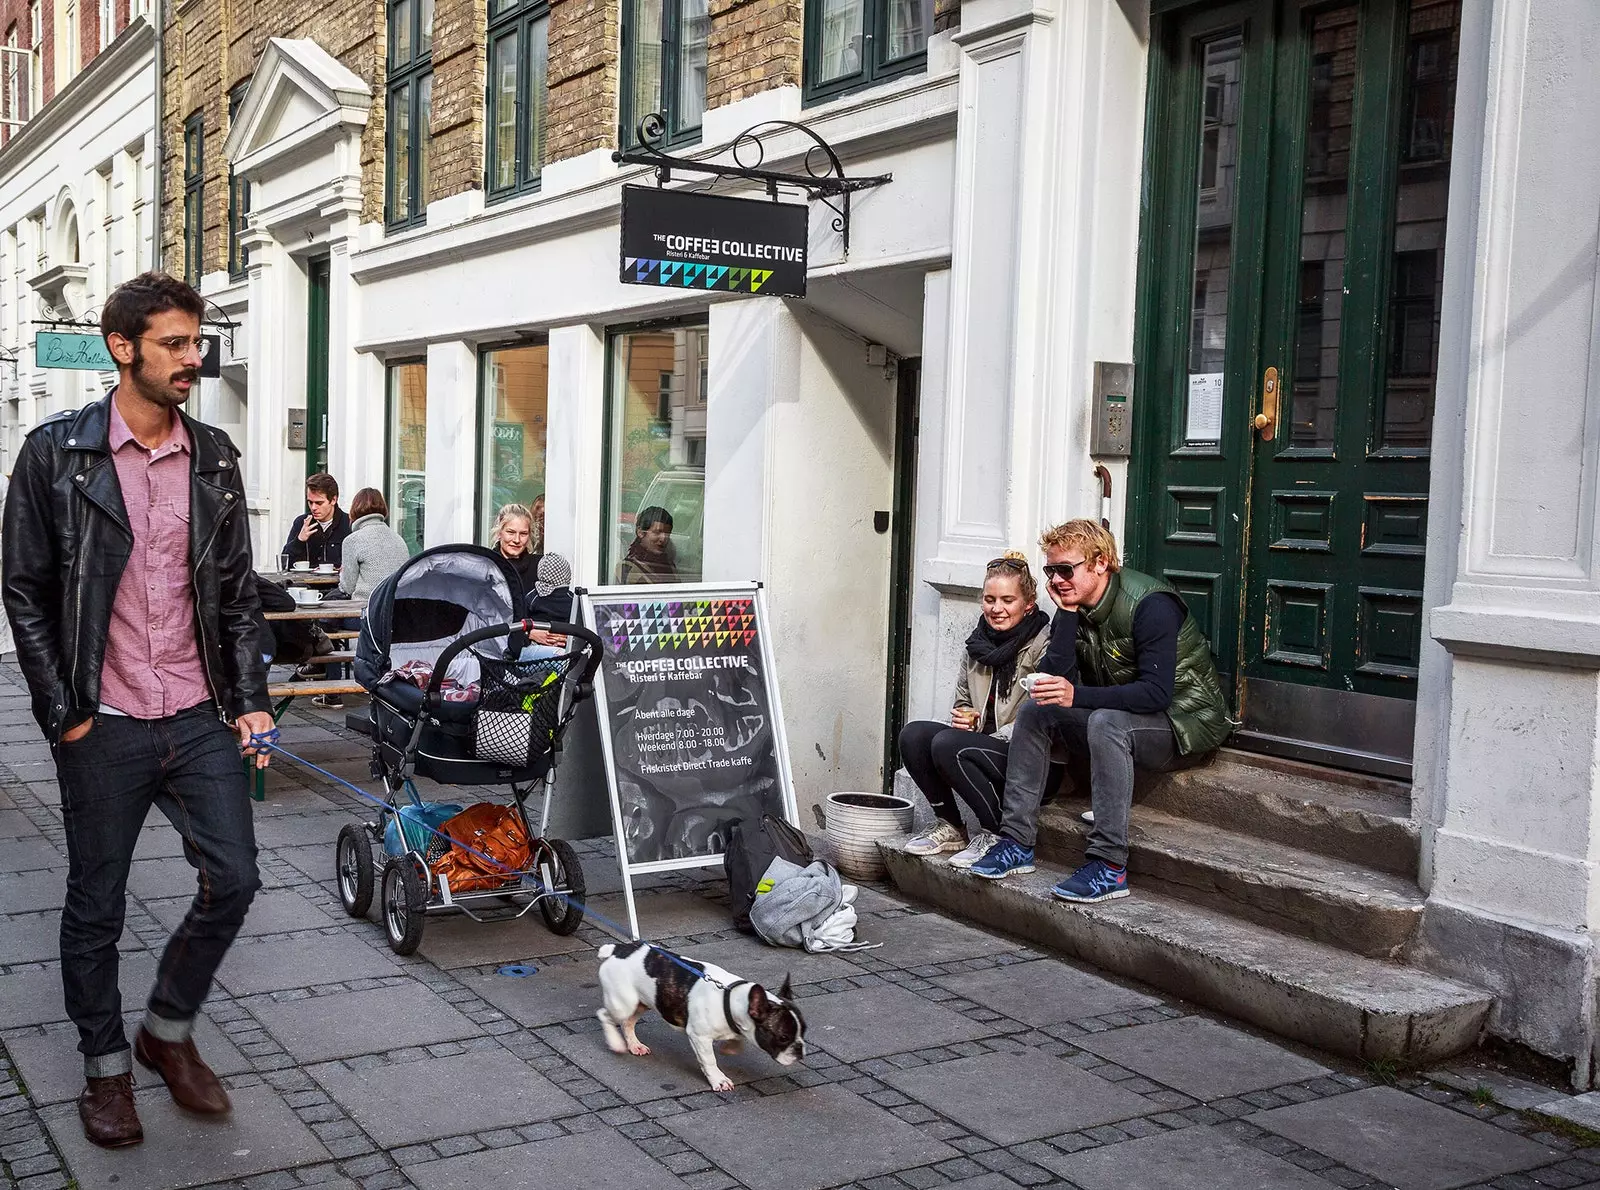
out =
column 1127, row 682
column 128, row 580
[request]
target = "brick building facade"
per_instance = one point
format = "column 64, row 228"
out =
column 41, row 25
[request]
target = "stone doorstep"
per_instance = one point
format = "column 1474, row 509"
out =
column 1345, row 816
column 1303, row 990
column 1343, row 904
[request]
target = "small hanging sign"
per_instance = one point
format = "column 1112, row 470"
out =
column 685, row 240
column 72, row 349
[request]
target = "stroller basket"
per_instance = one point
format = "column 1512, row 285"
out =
column 519, row 708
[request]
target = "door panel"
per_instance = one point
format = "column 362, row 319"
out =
column 1296, row 187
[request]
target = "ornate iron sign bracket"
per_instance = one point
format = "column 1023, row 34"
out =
column 90, row 322
column 824, row 179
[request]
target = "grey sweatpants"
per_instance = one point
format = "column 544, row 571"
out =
column 1114, row 742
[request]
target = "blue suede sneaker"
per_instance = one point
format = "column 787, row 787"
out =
column 1005, row 858
column 1095, row 881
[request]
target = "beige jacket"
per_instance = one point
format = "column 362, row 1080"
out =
column 972, row 687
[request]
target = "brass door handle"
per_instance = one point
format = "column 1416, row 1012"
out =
column 1267, row 420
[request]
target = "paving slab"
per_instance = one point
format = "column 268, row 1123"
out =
column 36, row 938
column 300, row 830
column 555, row 992
column 323, row 1028
column 419, row 1101
column 53, row 1069
column 590, row 1161
column 1013, row 1097
column 1582, row 1110
column 34, row 890
column 750, row 958
column 35, row 997
column 1190, row 1159
column 668, row 1070
column 1508, row 1090
column 805, row 1140
column 1404, row 1141
column 665, row 914
column 162, row 879
column 29, row 855
column 1201, row 1058
column 160, row 841
column 14, row 824
column 1045, row 992
column 873, row 1022
column 928, row 939
column 275, row 964
column 459, row 941
column 274, row 911
column 181, row 1149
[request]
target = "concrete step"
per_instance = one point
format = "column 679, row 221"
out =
column 1345, row 816
column 1359, row 1007
column 1346, row 905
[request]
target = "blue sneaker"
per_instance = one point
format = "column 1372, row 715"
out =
column 1095, row 881
column 1005, row 858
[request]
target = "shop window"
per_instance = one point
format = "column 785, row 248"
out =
column 194, row 197
column 850, row 44
column 664, row 60
column 408, row 450
column 238, row 197
column 655, row 441
column 519, row 59
column 515, row 383
column 410, row 112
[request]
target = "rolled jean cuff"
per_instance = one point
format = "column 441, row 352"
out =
column 172, row 1032
column 108, row 1065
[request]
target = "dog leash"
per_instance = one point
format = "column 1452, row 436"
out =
column 268, row 740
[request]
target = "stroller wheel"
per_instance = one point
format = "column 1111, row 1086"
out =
column 353, row 868
column 563, row 914
column 404, row 898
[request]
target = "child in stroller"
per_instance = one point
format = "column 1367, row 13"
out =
column 440, row 651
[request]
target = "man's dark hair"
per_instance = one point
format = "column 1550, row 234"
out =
column 128, row 310
column 324, row 484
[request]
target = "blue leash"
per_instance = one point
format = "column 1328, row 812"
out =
column 268, row 740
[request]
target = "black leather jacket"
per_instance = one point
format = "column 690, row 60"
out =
column 67, row 541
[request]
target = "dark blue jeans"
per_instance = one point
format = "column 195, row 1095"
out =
column 189, row 766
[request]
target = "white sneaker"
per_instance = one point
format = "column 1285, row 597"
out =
column 975, row 850
column 943, row 837
column 1087, row 816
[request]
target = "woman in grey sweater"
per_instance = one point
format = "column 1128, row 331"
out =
column 373, row 551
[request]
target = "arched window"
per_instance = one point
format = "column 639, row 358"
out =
column 69, row 240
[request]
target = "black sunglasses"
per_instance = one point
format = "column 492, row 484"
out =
column 1062, row 569
column 1008, row 564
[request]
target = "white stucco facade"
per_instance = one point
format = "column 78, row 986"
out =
column 77, row 218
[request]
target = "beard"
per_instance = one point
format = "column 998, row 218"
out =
column 158, row 388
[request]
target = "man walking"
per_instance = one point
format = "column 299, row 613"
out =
column 128, row 581
column 1127, row 682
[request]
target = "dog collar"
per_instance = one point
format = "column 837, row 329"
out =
column 727, row 1002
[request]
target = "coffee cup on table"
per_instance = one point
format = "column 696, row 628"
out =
column 301, row 566
column 326, row 568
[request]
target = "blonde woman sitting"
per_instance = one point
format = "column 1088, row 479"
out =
column 967, row 758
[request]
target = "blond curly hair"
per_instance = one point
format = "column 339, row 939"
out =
column 1089, row 536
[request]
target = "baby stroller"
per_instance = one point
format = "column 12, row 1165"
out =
column 439, row 651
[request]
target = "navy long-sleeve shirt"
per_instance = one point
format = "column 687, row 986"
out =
column 1156, row 622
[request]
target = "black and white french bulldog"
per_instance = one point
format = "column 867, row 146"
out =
column 706, row 1002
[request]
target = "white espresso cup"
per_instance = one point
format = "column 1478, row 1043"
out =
column 301, row 566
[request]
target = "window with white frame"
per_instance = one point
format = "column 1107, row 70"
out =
column 13, row 77
column 35, row 56
column 137, row 210
column 108, row 22
column 102, row 185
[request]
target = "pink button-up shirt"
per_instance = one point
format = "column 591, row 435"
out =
column 152, row 666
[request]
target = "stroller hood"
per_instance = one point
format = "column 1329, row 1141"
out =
column 440, row 594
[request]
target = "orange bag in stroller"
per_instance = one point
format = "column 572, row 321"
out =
column 495, row 831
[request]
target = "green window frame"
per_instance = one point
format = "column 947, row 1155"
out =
column 853, row 44
column 516, row 97
column 664, row 56
column 502, row 474
column 408, row 113
column 194, row 197
column 238, row 197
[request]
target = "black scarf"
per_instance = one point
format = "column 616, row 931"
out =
column 998, row 651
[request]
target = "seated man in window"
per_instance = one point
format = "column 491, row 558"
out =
column 1127, row 682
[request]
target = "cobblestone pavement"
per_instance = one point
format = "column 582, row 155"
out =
column 948, row 1057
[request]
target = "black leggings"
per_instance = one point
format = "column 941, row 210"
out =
column 947, row 762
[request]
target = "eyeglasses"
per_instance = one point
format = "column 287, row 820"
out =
column 1062, row 570
column 178, row 346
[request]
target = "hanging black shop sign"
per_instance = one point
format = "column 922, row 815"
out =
column 684, row 240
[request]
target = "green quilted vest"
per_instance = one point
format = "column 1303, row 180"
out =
column 1199, row 710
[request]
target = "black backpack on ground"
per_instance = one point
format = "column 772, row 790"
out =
column 751, row 849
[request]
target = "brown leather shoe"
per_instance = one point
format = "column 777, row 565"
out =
column 106, row 1108
column 180, row 1066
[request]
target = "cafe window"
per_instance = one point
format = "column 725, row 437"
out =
column 194, row 197
column 664, row 62
column 238, row 196
column 515, row 383
column 850, row 44
column 655, row 463
column 408, row 450
column 410, row 111
column 519, row 59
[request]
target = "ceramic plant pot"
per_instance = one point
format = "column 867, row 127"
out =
column 855, row 823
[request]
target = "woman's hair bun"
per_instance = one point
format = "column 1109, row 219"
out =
column 1015, row 555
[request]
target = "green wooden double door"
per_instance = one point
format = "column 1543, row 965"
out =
column 1292, row 259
